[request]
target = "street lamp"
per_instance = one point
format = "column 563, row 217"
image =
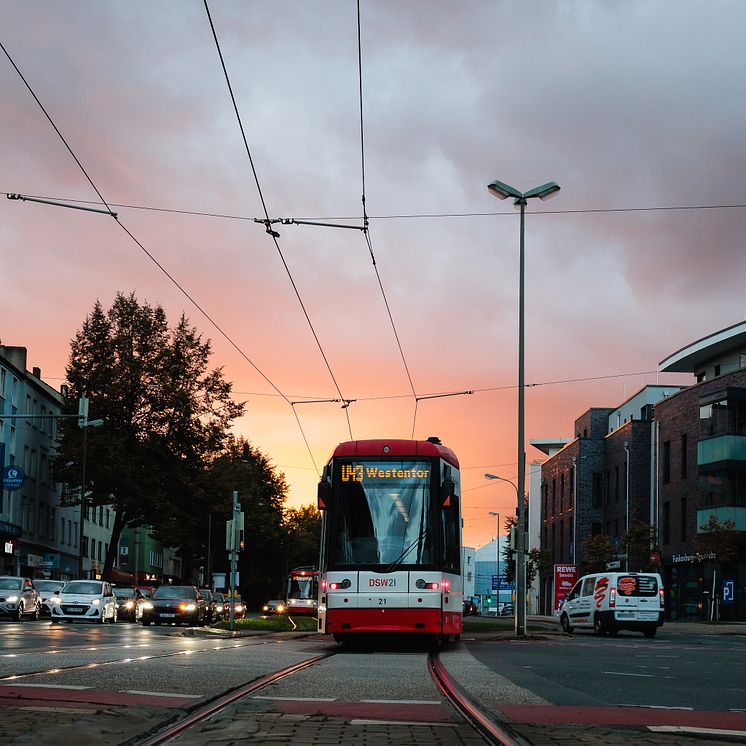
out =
column 518, row 603
column 502, row 191
column 85, row 424
column 497, row 557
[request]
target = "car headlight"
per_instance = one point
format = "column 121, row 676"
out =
column 280, row 608
column 129, row 605
column 147, row 605
column 11, row 599
column 96, row 602
column 187, row 607
column 238, row 607
column 265, row 607
column 218, row 608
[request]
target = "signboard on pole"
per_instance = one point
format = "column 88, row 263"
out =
column 13, row 477
column 729, row 591
column 564, row 579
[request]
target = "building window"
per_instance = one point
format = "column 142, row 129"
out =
column 572, row 482
column 683, row 455
column 667, row 462
column 616, row 484
column 717, row 370
column 666, row 528
column 596, row 490
column 554, row 497
column 107, row 518
column 595, row 528
column 562, row 540
column 616, row 528
column 562, row 492
column 75, row 534
column 85, row 546
column 62, row 530
column 683, row 519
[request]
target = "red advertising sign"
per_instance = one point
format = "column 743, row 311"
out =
column 564, row 579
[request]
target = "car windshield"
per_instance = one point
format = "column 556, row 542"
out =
column 124, row 592
column 49, row 585
column 11, row 584
column 383, row 514
column 174, row 591
column 84, row 587
column 147, row 592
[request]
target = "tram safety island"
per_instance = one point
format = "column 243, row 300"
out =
column 391, row 540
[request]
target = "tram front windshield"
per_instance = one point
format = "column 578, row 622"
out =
column 302, row 586
column 383, row 514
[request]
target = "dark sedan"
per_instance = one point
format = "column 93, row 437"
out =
column 129, row 603
column 175, row 604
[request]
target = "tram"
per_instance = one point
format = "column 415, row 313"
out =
column 390, row 557
column 303, row 591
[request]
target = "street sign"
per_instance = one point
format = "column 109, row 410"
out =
column 13, row 477
column 729, row 591
column 615, row 565
column 494, row 582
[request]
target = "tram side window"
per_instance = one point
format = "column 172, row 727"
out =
column 451, row 546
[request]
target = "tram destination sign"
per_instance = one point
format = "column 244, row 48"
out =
column 374, row 472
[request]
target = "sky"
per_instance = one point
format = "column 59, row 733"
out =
column 634, row 108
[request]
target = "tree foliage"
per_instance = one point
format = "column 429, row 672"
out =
column 639, row 541
column 165, row 412
column 719, row 537
column 537, row 561
column 597, row 551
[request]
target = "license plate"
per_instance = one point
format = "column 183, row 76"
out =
column 647, row 616
column 75, row 611
column 168, row 616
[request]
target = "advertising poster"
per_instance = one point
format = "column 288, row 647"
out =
column 564, row 579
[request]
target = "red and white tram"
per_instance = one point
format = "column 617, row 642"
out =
column 391, row 540
column 303, row 591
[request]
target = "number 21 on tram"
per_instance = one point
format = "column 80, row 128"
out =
column 391, row 540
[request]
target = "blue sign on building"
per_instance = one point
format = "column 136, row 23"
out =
column 729, row 591
column 13, row 477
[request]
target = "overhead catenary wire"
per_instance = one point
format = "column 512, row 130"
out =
column 152, row 258
column 306, row 219
column 272, row 233
column 366, row 226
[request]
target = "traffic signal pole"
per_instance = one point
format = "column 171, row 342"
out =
column 234, row 544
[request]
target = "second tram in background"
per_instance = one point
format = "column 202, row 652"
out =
column 391, row 540
column 303, row 591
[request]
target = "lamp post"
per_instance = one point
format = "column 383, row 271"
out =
column 497, row 557
column 502, row 191
column 519, row 604
column 85, row 424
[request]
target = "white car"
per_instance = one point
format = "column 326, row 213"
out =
column 86, row 600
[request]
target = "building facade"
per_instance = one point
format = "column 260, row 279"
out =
column 38, row 536
column 671, row 457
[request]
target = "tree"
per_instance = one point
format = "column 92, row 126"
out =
column 165, row 413
column 718, row 537
column 262, row 491
column 303, row 526
column 537, row 561
column 597, row 551
column 639, row 542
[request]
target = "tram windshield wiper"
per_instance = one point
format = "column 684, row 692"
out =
column 399, row 561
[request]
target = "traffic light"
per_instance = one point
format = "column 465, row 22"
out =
column 240, row 538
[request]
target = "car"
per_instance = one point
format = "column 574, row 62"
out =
column 470, row 608
column 174, row 604
column 210, row 605
column 221, row 606
column 129, row 603
column 274, row 607
column 19, row 598
column 47, row 590
column 239, row 608
column 85, row 600
column 507, row 610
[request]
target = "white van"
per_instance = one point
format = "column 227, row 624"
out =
column 610, row 601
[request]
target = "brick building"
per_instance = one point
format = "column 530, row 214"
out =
column 669, row 456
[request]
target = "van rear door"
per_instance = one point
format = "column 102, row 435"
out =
column 637, row 597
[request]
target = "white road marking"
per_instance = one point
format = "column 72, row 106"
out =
column 700, row 731
column 621, row 673
column 399, row 702
column 403, row 722
column 49, row 686
column 658, row 707
column 299, row 699
column 160, row 694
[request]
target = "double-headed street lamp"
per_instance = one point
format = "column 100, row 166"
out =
column 84, row 423
column 543, row 192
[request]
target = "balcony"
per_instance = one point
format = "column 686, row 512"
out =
column 727, row 513
column 721, row 449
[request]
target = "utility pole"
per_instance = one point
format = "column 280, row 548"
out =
column 234, row 544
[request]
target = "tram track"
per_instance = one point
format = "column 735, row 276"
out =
column 474, row 716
